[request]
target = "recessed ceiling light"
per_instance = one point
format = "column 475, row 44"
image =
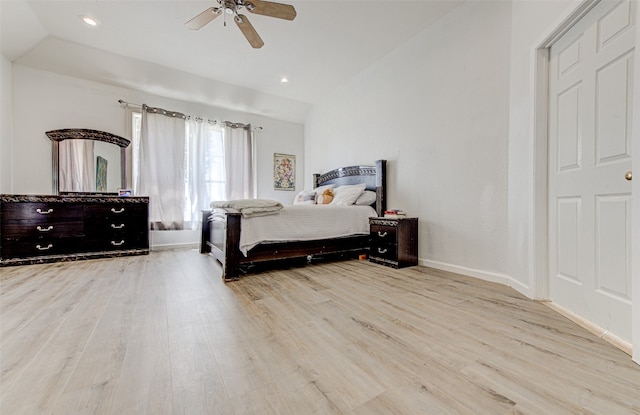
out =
column 89, row 21
column 284, row 80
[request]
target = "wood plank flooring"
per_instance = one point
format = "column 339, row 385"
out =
column 161, row 334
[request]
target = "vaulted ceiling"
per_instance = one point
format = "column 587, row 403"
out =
column 143, row 44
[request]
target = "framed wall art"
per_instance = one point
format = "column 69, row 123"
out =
column 101, row 174
column 284, row 171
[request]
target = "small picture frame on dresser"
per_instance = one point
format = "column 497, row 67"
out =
column 125, row 192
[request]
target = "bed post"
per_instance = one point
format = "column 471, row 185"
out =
column 204, row 235
column 381, row 187
column 231, row 266
column 316, row 177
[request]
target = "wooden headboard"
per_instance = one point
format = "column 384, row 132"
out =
column 374, row 177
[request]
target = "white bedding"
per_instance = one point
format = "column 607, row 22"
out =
column 250, row 207
column 305, row 222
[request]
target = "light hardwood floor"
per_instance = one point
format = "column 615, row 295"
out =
column 161, row 334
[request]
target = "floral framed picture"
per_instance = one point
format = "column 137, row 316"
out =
column 284, row 171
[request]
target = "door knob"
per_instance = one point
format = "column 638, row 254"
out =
column 628, row 175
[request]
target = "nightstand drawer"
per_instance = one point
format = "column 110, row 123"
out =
column 383, row 234
column 386, row 252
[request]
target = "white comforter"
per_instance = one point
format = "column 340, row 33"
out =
column 250, row 207
column 305, row 222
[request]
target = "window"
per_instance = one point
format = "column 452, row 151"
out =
column 204, row 157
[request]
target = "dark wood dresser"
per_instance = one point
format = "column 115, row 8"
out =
column 394, row 242
column 38, row 229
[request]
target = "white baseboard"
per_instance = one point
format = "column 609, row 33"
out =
column 523, row 289
column 165, row 247
column 483, row 275
column 621, row 344
column 163, row 240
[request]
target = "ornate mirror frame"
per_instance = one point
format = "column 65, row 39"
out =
column 56, row 136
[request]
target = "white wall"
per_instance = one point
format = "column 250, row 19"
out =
column 532, row 21
column 453, row 112
column 6, row 124
column 46, row 101
column 437, row 109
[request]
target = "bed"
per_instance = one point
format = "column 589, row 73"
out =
column 222, row 229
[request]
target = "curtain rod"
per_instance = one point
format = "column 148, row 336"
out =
column 177, row 114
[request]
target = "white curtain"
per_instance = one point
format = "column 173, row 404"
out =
column 184, row 163
column 206, row 169
column 162, row 167
column 77, row 166
column 240, row 163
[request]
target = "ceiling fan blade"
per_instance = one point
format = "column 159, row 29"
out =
column 269, row 8
column 248, row 31
column 204, row 18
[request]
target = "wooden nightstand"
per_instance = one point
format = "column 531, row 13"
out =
column 394, row 242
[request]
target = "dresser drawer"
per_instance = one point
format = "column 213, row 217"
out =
column 118, row 241
column 23, row 248
column 41, row 211
column 27, row 228
column 106, row 227
column 116, row 211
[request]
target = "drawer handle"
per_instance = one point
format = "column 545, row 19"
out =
column 382, row 251
column 117, row 226
column 382, row 234
column 47, row 229
column 42, row 212
column 114, row 243
column 117, row 211
column 44, row 248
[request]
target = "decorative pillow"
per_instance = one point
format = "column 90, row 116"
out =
column 325, row 198
column 367, row 198
column 347, row 194
column 305, row 197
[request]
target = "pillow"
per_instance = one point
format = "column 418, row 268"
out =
column 347, row 194
column 305, row 197
column 367, row 198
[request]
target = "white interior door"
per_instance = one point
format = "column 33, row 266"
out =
column 590, row 104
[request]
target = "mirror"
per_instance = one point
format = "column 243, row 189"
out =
column 88, row 161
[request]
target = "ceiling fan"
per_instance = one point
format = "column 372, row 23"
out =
column 233, row 8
